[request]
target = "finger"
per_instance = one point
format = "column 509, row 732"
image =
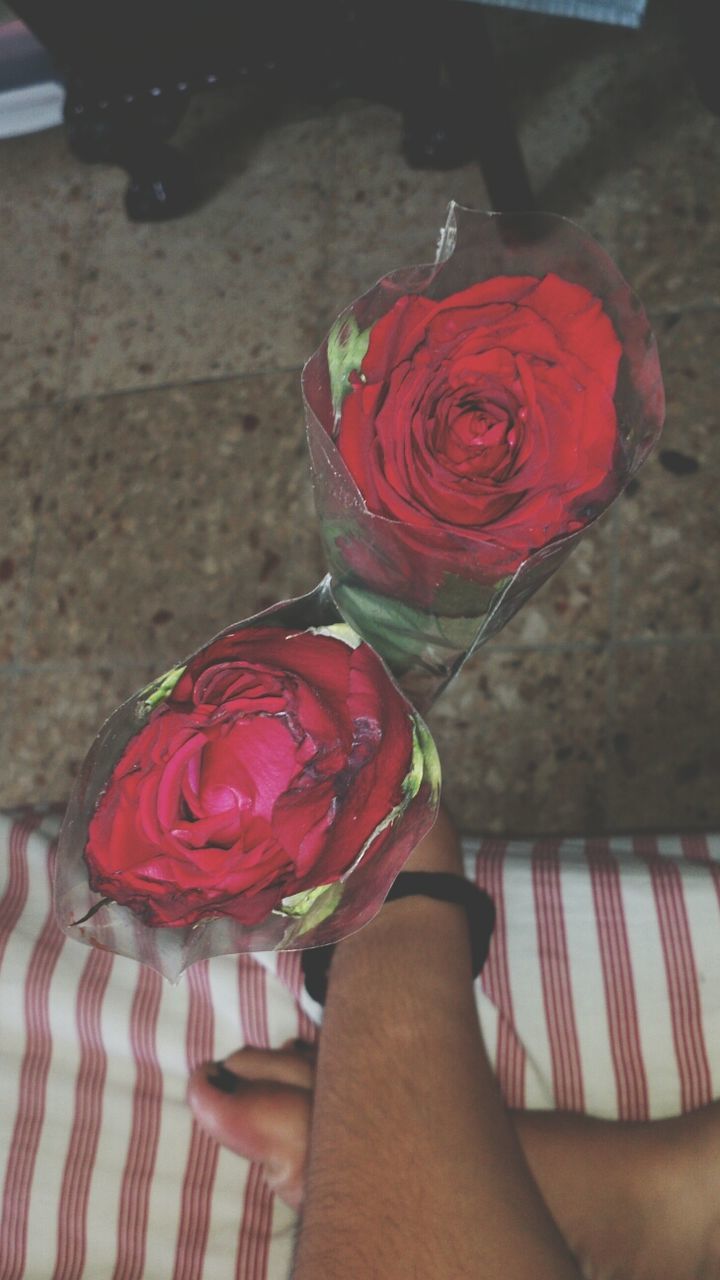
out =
column 263, row 1120
column 306, row 1048
column 287, row 1065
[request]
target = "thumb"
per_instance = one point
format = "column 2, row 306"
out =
column 264, row 1120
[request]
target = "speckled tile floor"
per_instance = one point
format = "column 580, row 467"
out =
column 154, row 477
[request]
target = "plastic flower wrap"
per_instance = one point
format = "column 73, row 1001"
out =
column 467, row 422
column 263, row 794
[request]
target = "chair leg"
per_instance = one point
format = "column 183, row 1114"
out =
column 698, row 19
column 435, row 135
column 133, row 136
column 456, row 107
column 477, row 85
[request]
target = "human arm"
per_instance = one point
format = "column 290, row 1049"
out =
column 415, row 1171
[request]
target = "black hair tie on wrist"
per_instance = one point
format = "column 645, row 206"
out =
column 443, row 886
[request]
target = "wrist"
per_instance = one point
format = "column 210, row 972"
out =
column 415, row 953
column 402, row 920
column 438, row 890
column 428, row 913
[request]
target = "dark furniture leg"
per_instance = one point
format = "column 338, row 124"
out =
column 482, row 100
column 699, row 21
column 457, row 107
column 133, row 135
column 126, row 68
column 434, row 134
column 130, row 67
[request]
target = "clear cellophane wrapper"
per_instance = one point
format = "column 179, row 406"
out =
column 398, row 591
column 323, row 916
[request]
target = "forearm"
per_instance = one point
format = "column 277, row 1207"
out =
column 414, row 1167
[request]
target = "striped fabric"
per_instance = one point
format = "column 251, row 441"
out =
column 103, row 1173
column 601, row 994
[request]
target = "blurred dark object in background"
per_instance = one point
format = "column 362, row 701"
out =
column 699, row 20
column 130, row 69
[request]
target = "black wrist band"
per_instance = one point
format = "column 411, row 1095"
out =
column 443, row 886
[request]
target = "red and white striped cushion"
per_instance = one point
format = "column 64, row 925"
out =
column 601, row 993
column 602, row 989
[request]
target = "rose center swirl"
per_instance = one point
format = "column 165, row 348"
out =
column 478, row 434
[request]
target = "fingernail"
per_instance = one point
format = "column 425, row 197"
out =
column 222, row 1079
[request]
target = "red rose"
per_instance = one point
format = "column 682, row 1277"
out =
column 489, row 414
column 263, row 773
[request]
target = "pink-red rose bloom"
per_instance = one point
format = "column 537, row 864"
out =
column 489, row 414
column 263, row 774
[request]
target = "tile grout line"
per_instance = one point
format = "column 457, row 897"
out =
column 14, row 669
column 67, row 398
column 60, row 665
column 84, row 238
column 683, row 309
column 62, row 401
column 329, row 227
column 611, row 682
column 669, row 640
column 55, row 405
column 48, row 471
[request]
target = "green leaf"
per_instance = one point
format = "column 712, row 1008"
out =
column 313, row 906
column 346, row 349
column 339, row 631
column 458, row 595
column 158, row 689
column 391, row 627
column 430, row 771
column 335, row 530
column 413, row 779
column 402, row 634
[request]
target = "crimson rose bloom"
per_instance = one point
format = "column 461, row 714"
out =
column 489, row 414
column 263, row 773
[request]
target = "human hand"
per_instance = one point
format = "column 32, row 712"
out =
column 258, row 1103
